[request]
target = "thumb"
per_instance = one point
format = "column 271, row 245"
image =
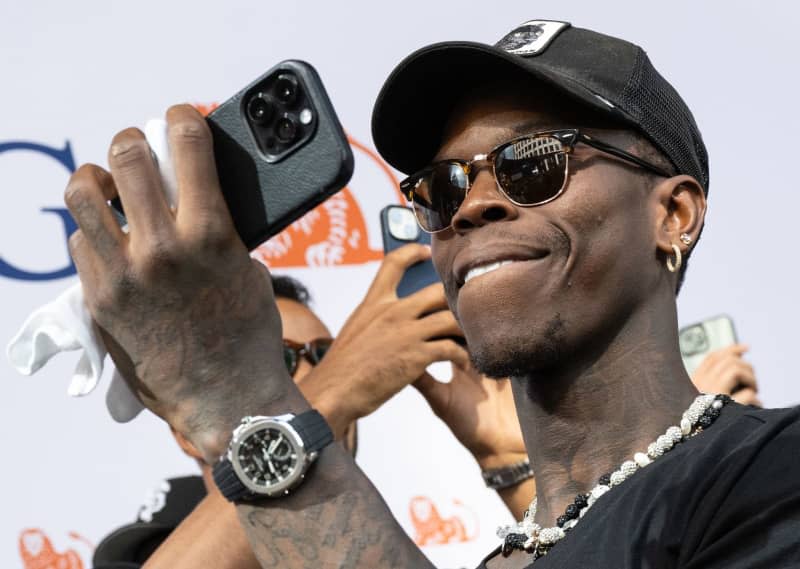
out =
column 435, row 392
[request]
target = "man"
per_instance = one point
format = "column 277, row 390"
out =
column 562, row 262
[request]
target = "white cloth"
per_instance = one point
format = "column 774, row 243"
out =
column 65, row 324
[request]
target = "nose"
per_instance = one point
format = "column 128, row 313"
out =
column 483, row 204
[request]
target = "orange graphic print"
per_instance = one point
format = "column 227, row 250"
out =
column 431, row 528
column 334, row 233
column 205, row 110
column 37, row 552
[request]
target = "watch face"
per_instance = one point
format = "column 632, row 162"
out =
column 268, row 459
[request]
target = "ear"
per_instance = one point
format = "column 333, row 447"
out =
column 186, row 445
column 681, row 209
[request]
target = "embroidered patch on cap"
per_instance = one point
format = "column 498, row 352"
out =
column 532, row 37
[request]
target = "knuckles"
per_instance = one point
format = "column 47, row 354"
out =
column 128, row 148
column 186, row 126
column 190, row 131
column 82, row 183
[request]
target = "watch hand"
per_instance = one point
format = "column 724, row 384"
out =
column 273, row 445
column 271, row 467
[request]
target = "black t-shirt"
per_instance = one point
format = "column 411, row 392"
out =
column 728, row 498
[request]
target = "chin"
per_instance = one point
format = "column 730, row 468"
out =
column 500, row 354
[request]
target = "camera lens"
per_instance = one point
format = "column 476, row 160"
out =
column 260, row 109
column 286, row 89
column 286, row 129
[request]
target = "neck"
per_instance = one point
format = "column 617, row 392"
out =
column 582, row 420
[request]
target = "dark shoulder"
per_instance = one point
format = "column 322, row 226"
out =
column 745, row 429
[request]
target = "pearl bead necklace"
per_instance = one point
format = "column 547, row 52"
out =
column 533, row 538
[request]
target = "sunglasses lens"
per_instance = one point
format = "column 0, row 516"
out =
column 319, row 348
column 290, row 359
column 532, row 170
column 438, row 195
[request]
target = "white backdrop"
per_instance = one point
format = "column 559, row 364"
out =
column 74, row 73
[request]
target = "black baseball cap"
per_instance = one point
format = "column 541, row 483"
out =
column 609, row 75
column 131, row 544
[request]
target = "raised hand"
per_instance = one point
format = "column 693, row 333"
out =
column 726, row 371
column 480, row 412
column 188, row 317
column 386, row 344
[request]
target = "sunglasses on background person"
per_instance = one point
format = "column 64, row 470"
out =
column 312, row 351
column 529, row 170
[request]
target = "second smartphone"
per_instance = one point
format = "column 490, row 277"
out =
column 399, row 227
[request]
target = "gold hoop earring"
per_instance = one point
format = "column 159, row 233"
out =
column 675, row 266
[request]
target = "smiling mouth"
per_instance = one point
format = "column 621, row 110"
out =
column 483, row 269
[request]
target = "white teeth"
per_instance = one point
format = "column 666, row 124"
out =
column 483, row 269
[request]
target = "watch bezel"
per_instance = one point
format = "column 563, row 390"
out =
column 294, row 438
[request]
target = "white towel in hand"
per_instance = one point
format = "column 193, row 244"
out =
column 65, row 324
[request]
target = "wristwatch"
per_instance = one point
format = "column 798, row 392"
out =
column 507, row 476
column 269, row 456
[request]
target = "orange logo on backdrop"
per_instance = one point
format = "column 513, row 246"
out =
column 431, row 528
column 334, row 233
column 37, row 552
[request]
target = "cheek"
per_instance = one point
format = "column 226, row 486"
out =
column 611, row 242
column 441, row 255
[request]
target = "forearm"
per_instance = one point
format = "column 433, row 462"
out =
column 211, row 536
column 335, row 519
column 517, row 498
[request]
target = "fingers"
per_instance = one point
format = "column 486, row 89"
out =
column 393, row 267
column 86, row 196
column 725, row 371
column 429, row 299
column 201, row 204
column 747, row 396
column 435, row 392
column 139, row 186
column 732, row 351
column 447, row 351
column 440, row 324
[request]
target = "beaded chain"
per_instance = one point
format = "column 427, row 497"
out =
column 529, row 536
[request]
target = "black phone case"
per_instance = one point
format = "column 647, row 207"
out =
column 264, row 197
column 417, row 276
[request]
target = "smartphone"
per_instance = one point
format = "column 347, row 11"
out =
column 698, row 340
column 279, row 149
column 399, row 227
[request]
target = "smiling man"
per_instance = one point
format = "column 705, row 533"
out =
column 565, row 181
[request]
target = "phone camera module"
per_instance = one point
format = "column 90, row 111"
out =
column 286, row 129
column 693, row 341
column 403, row 224
column 260, row 109
column 286, row 89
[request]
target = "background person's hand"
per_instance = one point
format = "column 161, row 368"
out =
column 725, row 371
column 386, row 344
column 188, row 316
column 481, row 414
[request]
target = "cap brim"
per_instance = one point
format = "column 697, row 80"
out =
column 417, row 99
column 125, row 543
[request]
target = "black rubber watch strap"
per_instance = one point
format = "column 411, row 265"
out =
column 313, row 429
column 228, row 482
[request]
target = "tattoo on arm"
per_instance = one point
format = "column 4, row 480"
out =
column 336, row 519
